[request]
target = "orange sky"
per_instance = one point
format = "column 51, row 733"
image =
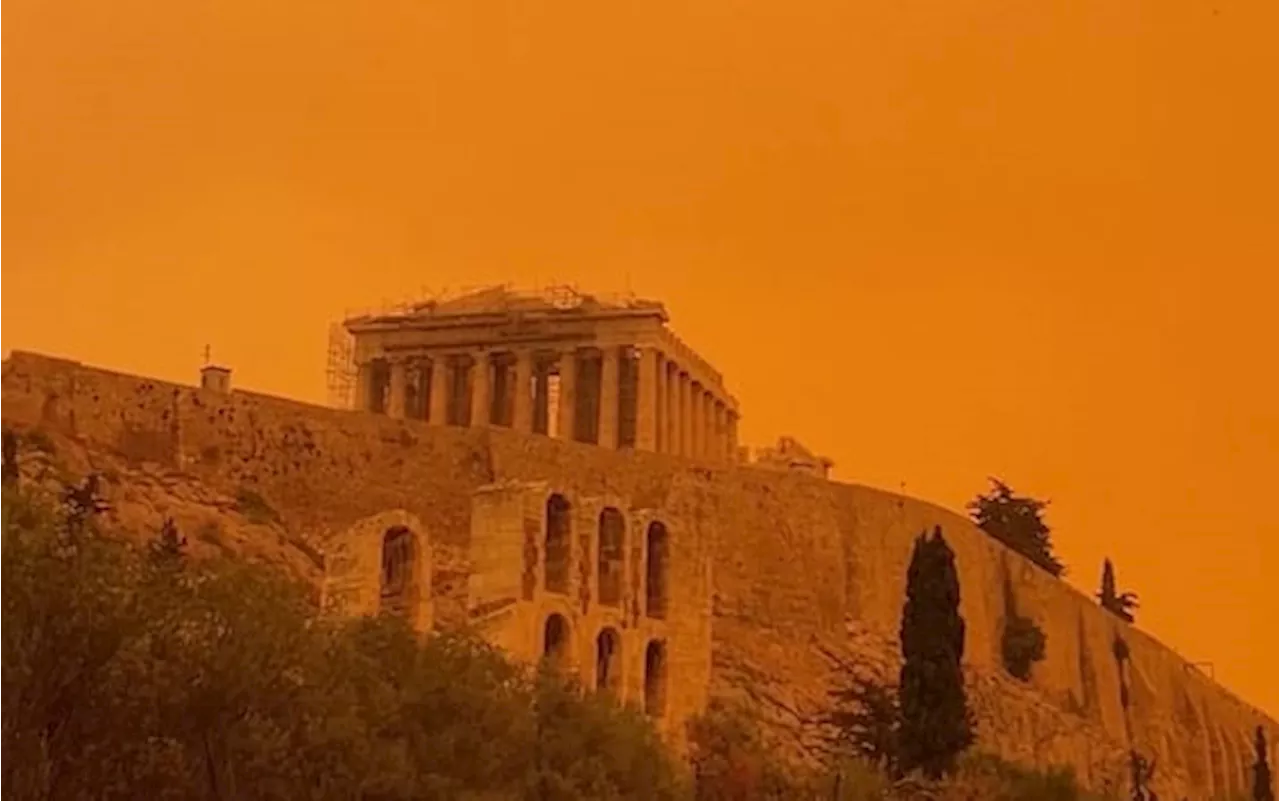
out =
column 937, row 241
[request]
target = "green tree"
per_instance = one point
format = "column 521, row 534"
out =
column 864, row 722
column 1018, row 522
column 1261, row 770
column 1118, row 604
column 140, row 672
column 935, row 724
column 732, row 762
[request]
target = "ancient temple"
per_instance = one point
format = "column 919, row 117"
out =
column 563, row 364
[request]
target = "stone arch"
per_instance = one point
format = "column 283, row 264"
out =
column 655, row 678
column 381, row 564
column 395, row 578
column 556, row 637
column 557, row 547
column 608, row 660
column 657, row 568
column 609, row 559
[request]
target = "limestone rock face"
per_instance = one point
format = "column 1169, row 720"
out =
column 770, row 583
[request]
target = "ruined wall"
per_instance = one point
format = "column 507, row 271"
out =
column 791, row 573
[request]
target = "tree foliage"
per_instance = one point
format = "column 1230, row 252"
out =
column 1022, row 644
column 935, row 721
column 863, row 722
column 731, row 761
column 1119, row 604
column 1018, row 522
column 140, row 673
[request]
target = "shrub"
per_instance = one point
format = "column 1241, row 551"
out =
column 255, row 508
column 1022, row 644
column 134, row 672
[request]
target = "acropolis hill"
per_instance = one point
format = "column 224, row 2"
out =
column 564, row 473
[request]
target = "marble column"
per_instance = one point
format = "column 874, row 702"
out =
column 686, row 431
column 647, row 401
column 522, row 414
column 608, row 430
column 709, row 439
column 717, row 430
column 672, row 399
column 733, row 437
column 481, row 387
column 568, row 392
column 660, row 405
column 396, row 390
column 364, row 387
column 697, row 419
column 438, row 405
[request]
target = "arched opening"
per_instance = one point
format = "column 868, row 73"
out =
column 655, row 679
column 609, row 560
column 397, row 569
column 555, row 640
column 656, row 549
column 608, row 661
column 557, row 545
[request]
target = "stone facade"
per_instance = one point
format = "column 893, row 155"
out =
column 769, row 579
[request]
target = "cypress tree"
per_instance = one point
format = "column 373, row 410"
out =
column 1261, row 770
column 935, row 725
column 1107, row 593
column 1117, row 604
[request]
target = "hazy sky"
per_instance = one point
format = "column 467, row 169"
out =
column 934, row 240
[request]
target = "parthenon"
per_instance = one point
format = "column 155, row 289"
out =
column 563, row 364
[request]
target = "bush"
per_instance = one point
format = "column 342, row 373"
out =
column 1022, row 644
column 998, row 780
column 255, row 508
column 731, row 761
column 134, row 672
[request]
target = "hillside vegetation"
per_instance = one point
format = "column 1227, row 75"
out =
column 141, row 667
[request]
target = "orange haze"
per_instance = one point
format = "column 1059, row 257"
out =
column 936, row 241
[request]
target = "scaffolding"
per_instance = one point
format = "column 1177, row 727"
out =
column 340, row 370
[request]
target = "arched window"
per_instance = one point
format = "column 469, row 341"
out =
column 555, row 640
column 608, row 661
column 557, row 545
column 655, row 679
column 397, row 568
column 656, row 549
column 609, row 561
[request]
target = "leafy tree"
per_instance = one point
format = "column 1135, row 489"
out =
column 864, row 722
column 1120, row 604
column 144, row 673
column 731, row 761
column 1017, row 521
column 935, row 726
column 1261, row 770
column 81, row 505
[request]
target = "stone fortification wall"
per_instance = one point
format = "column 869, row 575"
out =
column 804, row 574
